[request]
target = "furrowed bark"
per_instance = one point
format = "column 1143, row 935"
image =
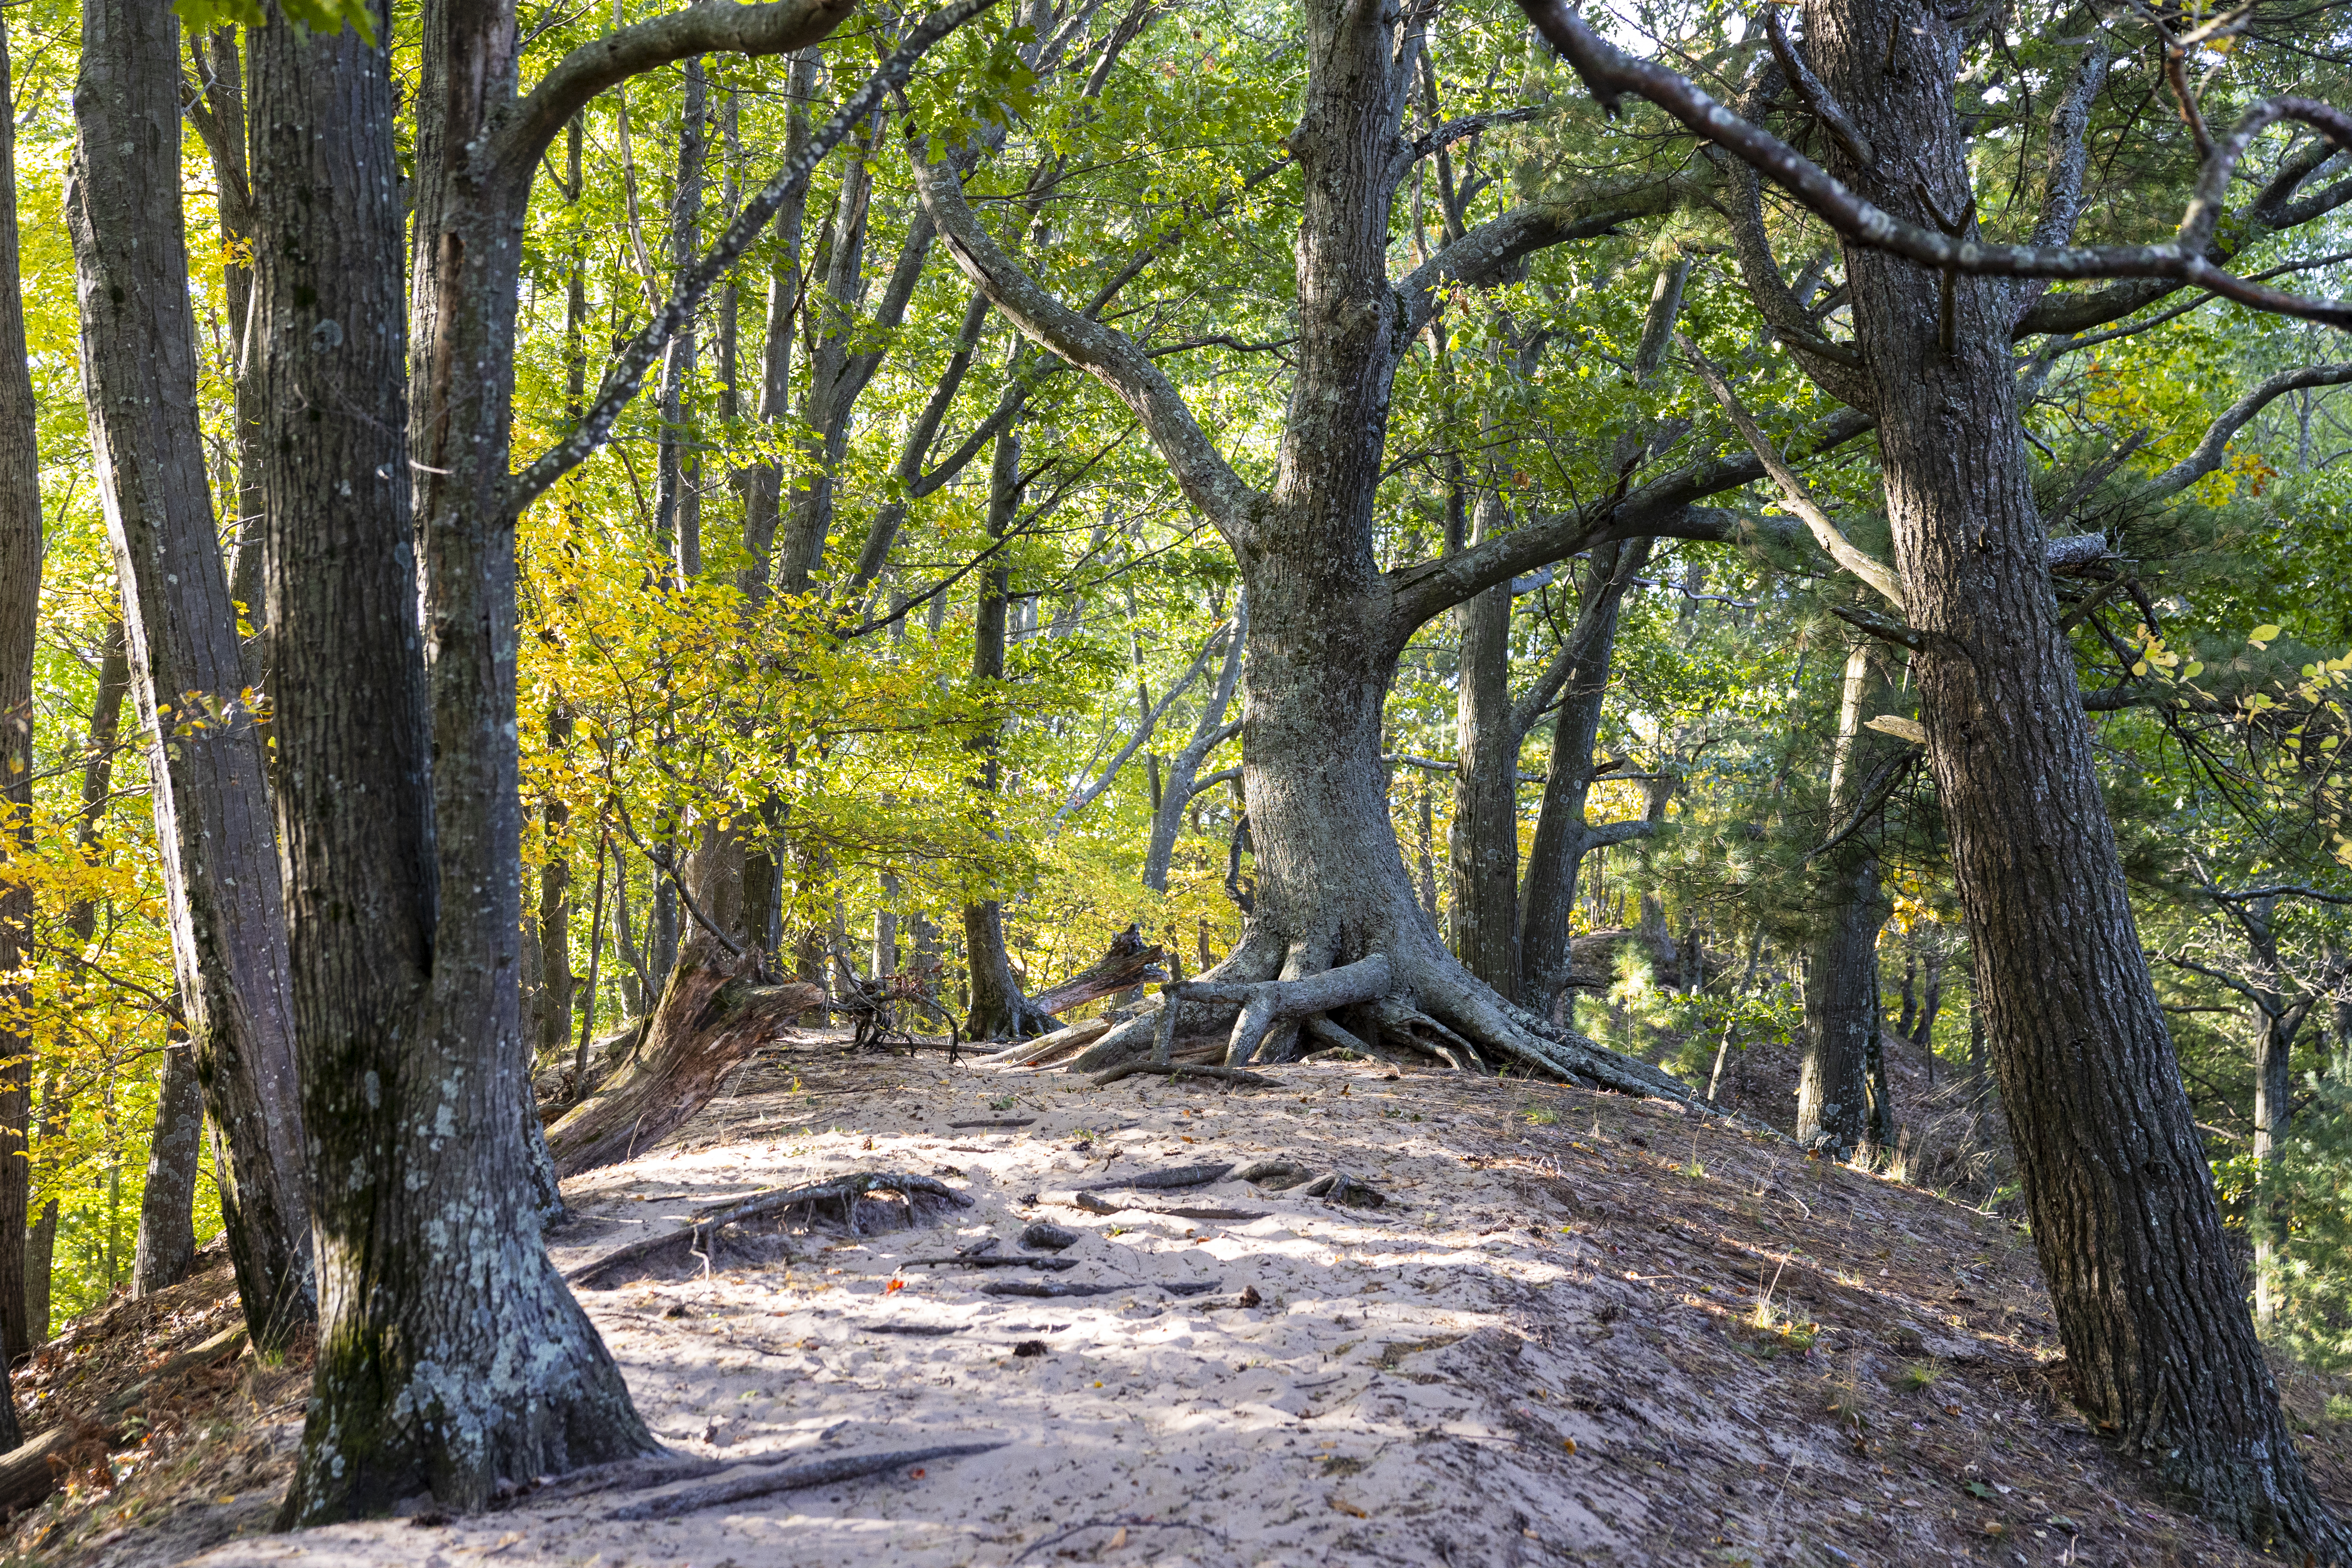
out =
column 206, row 760
column 167, row 1222
column 2149, row 1301
column 1483, row 846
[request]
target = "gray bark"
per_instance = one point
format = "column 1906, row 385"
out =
column 211, row 801
column 1841, row 1000
column 1483, row 847
column 1183, row 782
column 167, row 1220
column 678, row 502
column 20, row 603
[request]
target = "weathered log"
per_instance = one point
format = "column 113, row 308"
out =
column 1127, row 964
column 1240, row 1077
column 790, row 1478
column 711, row 1017
column 31, row 1471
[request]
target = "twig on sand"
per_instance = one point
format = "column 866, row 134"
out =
column 1120, row 1524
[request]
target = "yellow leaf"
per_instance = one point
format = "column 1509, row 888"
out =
column 2266, row 632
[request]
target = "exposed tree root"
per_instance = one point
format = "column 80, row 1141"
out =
column 1240, row 1076
column 1177, row 1176
column 790, row 1478
column 711, row 1017
column 678, row 1245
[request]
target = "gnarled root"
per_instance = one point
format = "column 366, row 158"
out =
column 696, row 1240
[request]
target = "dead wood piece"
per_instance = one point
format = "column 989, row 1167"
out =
column 995, row 1121
column 1179, row 1176
column 927, row 1329
column 1051, row 1048
column 1044, row 1236
column 1177, row 1070
column 790, row 1478
column 991, row 1260
column 1093, row 1205
column 1046, row 1288
column 1190, row 1287
column 1246, row 1297
column 33, row 1470
column 695, row 1237
column 1127, row 964
column 1276, row 1173
column 711, row 1018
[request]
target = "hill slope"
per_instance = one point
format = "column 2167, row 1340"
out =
column 1582, row 1329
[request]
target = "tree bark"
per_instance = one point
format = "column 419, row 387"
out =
column 211, row 801
column 20, row 604
column 167, row 1220
column 1483, row 851
column 2160, row 1347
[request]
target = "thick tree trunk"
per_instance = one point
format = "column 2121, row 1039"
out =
column 20, row 604
column 450, row 1353
column 167, row 1220
column 211, row 801
column 713, row 1014
column 2159, row 1348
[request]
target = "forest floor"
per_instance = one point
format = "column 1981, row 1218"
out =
column 1582, row 1329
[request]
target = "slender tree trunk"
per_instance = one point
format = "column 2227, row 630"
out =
column 2276, row 1024
column 20, row 603
column 1562, row 835
column 167, row 1220
column 1834, row 1077
column 677, row 512
column 1183, row 783
column 211, row 801
column 996, row 1008
column 2159, row 1348
column 1483, row 849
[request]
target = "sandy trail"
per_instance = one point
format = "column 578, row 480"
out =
column 1526, row 1356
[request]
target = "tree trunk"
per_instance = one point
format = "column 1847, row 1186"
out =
column 713, row 1016
column 1841, row 1002
column 1562, row 835
column 211, row 801
column 20, row 605
column 399, row 792
column 2159, row 1348
column 1483, row 851
column 677, row 513
column 996, row 1010
column 167, row 1221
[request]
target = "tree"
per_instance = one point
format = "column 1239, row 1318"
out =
column 20, row 602
column 211, row 799
column 2146, row 1297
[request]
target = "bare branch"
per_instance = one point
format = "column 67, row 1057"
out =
column 1487, row 253
column 2207, row 454
column 1814, row 95
column 1826, row 533
column 1104, row 352
column 711, row 26
column 1612, row 73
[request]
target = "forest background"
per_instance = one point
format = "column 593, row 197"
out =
column 866, row 577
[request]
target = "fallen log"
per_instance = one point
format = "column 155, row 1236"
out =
column 1241, row 1077
column 710, row 1018
column 1125, row 965
column 1179, row 1176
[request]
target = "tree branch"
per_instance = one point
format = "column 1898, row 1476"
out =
column 2207, row 454
column 711, row 26
column 1611, row 73
column 1487, row 253
column 623, row 381
column 1869, row 568
column 1814, row 95
column 1104, row 352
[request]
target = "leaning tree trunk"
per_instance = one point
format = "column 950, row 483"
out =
column 2151, row 1307
column 1562, row 835
column 167, row 1221
column 205, row 759
column 20, row 607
